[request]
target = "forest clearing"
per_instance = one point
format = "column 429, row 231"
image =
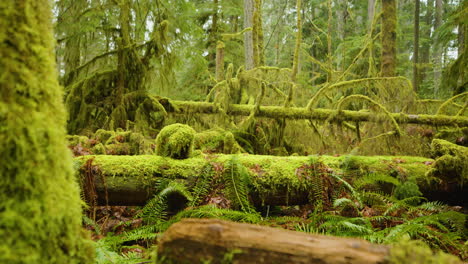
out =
column 224, row 131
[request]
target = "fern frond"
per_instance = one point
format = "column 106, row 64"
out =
column 236, row 180
column 202, row 186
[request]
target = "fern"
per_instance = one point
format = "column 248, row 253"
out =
column 211, row 211
column 155, row 210
column 201, row 188
column 236, row 180
column 375, row 179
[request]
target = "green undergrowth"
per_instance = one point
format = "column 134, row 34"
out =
column 375, row 198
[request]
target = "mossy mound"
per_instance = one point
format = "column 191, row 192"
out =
column 175, row 141
column 417, row 252
column 217, row 141
column 457, row 136
column 106, row 142
column 451, row 161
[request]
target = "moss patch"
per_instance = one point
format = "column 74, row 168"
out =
column 175, row 141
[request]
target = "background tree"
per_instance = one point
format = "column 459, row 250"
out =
column 40, row 207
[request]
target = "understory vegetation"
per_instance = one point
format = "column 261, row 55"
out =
column 343, row 118
column 290, row 80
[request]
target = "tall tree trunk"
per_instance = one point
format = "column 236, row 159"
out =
column 389, row 36
column 40, row 206
column 248, row 36
column 426, row 45
column 122, row 55
column 370, row 12
column 213, row 37
column 329, row 41
column 219, row 61
column 297, row 48
column 259, row 58
column 437, row 59
column 72, row 53
column 341, row 28
column 416, row 46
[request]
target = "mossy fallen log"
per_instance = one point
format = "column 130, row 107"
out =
column 217, row 241
column 272, row 180
column 331, row 115
column 449, row 171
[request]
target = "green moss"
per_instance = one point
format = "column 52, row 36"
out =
column 99, row 149
column 406, row 190
column 103, row 135
column 451, row 161
column 389, row 37
column 418, row 252
column 74, row 140
column 175, row 141
column 217, row 141
column 453, row 135
column 40, row 206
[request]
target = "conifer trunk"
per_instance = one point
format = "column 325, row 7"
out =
column 248, row 36
column 437, row 59
column 370, row 11
column 416, row 46
column 426, row 45
column 40, row 207
column 389, row 23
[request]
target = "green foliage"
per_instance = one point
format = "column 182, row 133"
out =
column 407, row 190
column 237, row 181
column 155, row 210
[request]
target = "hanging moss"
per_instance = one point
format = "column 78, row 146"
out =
column 40, row 206
column 175, row 141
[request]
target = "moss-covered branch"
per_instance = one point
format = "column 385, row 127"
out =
column 317, row 114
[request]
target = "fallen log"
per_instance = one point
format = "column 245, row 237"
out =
column 279, row 112
column 273, row 180
column 216, row 241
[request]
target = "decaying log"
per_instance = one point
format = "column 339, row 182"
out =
column 280, row 112
column 275, row 180
column 216, row 241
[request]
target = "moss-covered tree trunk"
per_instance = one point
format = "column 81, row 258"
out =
column 40, row 208
column 389, row 23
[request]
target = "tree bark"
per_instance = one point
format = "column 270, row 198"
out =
column 219, row 61
column 437, row 59
column 248, row 36
column 370, row 12
column 259, row 58
column 426, row 45
column 40, row 206
column 389, row 36
column 196, row 240
column 416, row 46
